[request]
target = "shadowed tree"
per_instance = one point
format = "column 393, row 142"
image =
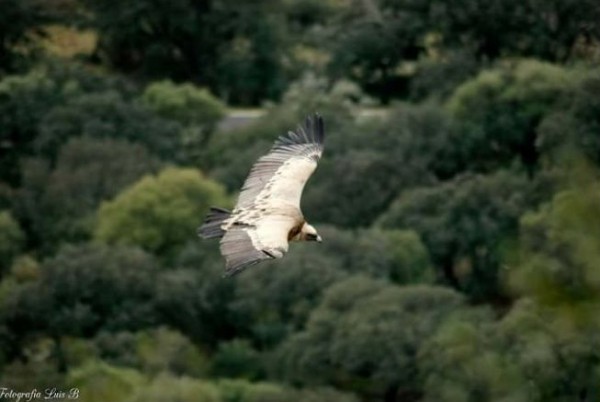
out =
column 12, row 240
column 465, row 224
column 549, row 30
column 25, row 100
column 57, row 204
column 275, row 300
column 575, row 126
column 369, row 40
column 21, row 22
column 365, row 336
column 82, row 291
column 108, row 115
column 217, row 44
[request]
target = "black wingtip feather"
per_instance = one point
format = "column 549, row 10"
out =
column 311, row 131
column 320, row 128
column 314, row 130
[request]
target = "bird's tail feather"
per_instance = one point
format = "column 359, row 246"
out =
column 211, row 228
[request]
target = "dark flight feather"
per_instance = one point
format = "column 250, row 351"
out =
column 212, row 224
column 240, row 251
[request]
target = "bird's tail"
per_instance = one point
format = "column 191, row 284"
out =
column 211, row 228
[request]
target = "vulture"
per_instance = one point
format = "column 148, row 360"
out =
column 267, row 214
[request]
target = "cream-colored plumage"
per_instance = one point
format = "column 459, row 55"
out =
column 267, row 214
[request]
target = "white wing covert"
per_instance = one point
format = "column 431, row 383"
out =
column 281, row 174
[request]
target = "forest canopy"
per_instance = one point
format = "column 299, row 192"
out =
column 458, row 200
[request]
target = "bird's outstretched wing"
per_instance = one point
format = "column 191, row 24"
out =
column 240, row 251
column 281, row 174
column 268, row 207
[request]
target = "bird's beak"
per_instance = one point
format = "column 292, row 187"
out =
column 319, row 239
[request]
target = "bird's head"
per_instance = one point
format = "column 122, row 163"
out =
column 309, row 233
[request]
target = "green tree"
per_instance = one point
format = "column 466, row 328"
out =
column 395, row 255
column 159, row 213
column 370, row 40
column 530, row 354
column 466, row 360
column 438, row 74
column 237, row 359
column 365, row 336
column 556, row 270
column 195, row 108
column 185, row 103
column 244, row 391
column 168, row 388
column 12, row 240
column 164, row 350
column 498, row 113
column 99, row 382
column 398, row 255
column 380, row 337
column 304, row 357
column 556, row 354
column 559, row 263
column 466, row 224
column 252, row 66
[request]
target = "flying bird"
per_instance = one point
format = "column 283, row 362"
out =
column 267, row 215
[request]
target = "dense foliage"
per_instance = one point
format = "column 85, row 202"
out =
column 461, row 219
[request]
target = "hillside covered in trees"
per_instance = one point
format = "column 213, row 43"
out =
column 461, row 223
